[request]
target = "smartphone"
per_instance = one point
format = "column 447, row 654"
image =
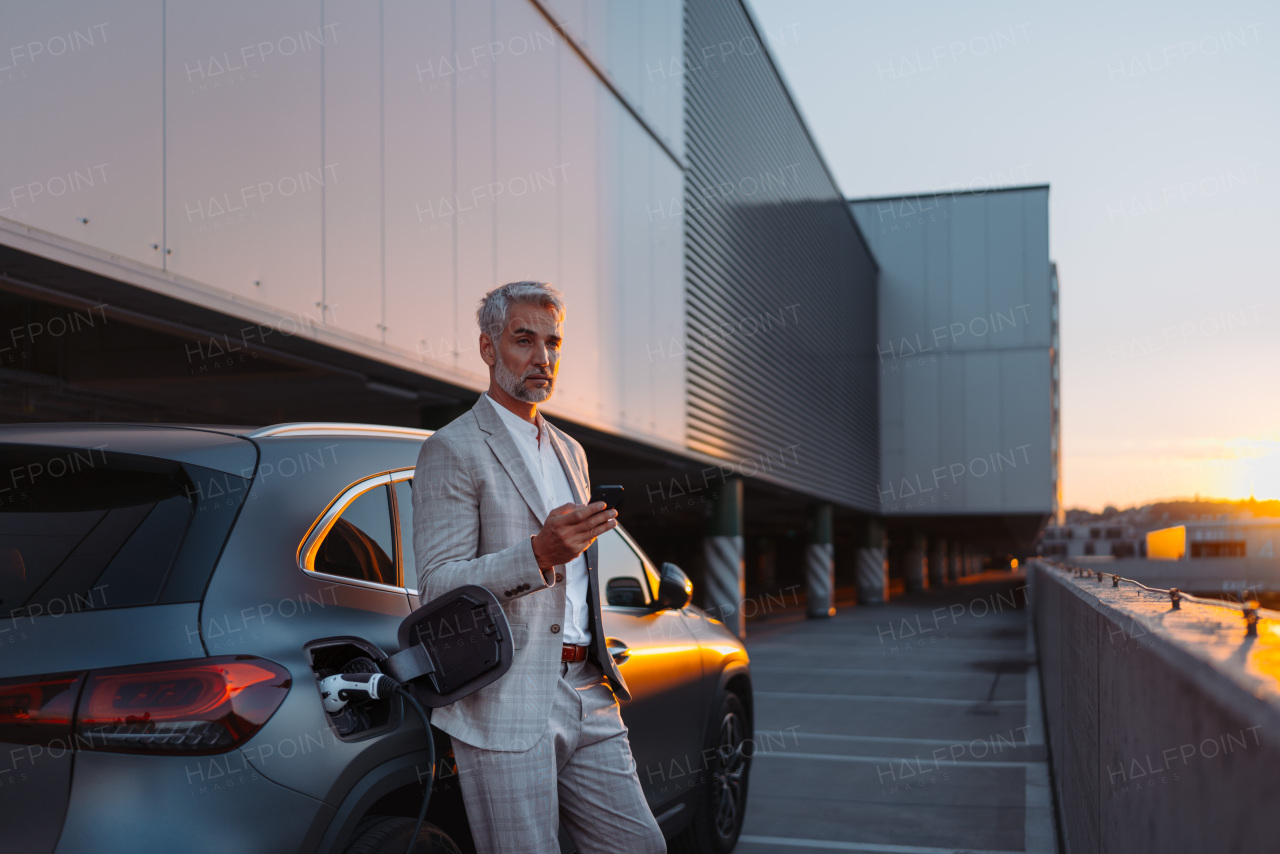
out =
column 610, row 494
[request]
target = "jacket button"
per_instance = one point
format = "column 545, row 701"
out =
column 559, row 576
column 555, row 628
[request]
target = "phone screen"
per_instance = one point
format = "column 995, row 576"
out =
column 611, row 495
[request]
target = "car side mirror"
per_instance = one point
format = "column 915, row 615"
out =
column 675, row 590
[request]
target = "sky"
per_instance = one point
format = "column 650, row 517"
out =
column 1157, row 125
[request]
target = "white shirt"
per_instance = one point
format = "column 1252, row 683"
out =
column 553, row 485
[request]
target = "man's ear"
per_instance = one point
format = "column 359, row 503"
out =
column 488, row 351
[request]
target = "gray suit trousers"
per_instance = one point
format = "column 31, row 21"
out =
column 579, row 773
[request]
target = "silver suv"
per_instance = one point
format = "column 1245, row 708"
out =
column 170, row 597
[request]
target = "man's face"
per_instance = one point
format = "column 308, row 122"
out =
column 527, row 356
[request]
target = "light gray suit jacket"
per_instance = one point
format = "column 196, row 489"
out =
column 475, row 508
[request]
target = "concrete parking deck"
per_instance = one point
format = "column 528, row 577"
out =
column 908, row 728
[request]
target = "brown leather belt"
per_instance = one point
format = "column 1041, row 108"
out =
column 569, row 652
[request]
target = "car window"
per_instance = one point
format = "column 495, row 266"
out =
column 359, row 545
column 654, row 580
column 622, row 572
column 404, row 509
column 93, row 529
column 650, row 572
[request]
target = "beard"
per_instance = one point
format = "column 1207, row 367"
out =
column 514, row 385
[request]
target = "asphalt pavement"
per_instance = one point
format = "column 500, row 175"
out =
column 913, row 727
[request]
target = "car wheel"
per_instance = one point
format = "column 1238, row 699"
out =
column 391, row 836
column 722, row 798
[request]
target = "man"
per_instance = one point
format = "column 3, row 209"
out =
column 499, row 500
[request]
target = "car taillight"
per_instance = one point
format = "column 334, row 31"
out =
column 40, row 710
column 207, row 705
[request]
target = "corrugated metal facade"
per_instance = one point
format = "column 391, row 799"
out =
column 781, row 287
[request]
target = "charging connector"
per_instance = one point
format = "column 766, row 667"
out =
column 341, row 688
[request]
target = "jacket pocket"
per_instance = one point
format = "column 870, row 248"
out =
column 519, row 634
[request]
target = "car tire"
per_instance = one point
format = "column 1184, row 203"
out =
column 376, row 835
column 721, row 801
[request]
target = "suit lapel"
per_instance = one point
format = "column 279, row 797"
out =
column 577, row 484
column 595, row 618
column 504, row 448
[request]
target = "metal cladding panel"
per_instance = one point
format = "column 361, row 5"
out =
column 91, row 168
column 981, row 426
column 352, row 68
column 578, row 247
column 1038, row 271
column 920, row 432
column 1026, row 431
column 526, row 153
column 421, row 206
column 243, row 166
column 781, row 287
column 968, row 274
column 634, row 276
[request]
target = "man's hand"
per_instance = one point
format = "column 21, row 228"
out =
column 569, row 529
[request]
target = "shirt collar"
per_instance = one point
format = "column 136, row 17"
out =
column 516, row 423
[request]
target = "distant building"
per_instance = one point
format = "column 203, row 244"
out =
column 1215, row 539
column 1094, row 540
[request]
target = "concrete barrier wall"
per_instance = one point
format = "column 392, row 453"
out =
column 1164, row 726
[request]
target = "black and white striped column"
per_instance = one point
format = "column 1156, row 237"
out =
column 820, row 564
column 725, row 584
column 871, row 576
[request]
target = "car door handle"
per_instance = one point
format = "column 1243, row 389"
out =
column 619, row 650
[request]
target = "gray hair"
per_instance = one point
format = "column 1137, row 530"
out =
column 492, row 313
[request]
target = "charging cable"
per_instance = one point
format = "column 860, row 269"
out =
column 341, row 688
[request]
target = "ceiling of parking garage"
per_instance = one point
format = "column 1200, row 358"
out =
column 996, row 532
column 76, row 346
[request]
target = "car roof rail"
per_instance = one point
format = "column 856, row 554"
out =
column 337, row 428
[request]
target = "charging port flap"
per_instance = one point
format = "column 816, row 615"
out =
column 453, row 646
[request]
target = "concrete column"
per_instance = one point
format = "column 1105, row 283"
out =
column 725, row 585
column 937, row 562
column 872, row 577
column 767, row 563
column 914, row 562
column 820, row 564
